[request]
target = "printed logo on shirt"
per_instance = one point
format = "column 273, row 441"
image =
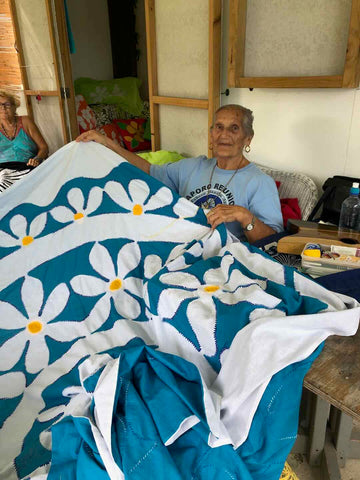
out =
column 206, row 197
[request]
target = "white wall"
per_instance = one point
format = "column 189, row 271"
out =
column 314, row 131
column 90, row 26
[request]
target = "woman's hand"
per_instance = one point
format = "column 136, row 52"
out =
column 228, row 213
column 92, row 136
column 34, row 162
column 234, row 213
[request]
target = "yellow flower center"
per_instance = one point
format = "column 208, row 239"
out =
column 79, row 215
column 138, row 209
column 211, row 288
column 115, row 284
column 27, row 240
column 35, row 326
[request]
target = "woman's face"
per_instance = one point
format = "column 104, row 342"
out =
column 227, row 135
column 7, row 109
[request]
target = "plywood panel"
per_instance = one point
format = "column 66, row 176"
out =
column 34, row 31
column 9, row 68
column 182, row 33
column 10, row 77
column 4, row 7
column 184, row 130
column 292, row 38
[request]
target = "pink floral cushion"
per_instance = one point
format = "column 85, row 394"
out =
column 85, row 116
column 111, row 130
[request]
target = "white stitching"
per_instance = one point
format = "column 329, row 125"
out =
column 143, row 458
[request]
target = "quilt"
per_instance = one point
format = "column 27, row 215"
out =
column 135, row 342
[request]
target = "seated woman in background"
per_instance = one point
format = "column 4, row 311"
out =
column 20, row 139
column 231, row 189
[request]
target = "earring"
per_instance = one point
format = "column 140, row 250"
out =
column 247, row 148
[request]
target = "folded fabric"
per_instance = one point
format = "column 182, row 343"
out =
column 160, row 157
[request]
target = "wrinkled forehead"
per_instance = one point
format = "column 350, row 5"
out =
column 229, row 117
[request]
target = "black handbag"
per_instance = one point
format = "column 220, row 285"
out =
column 336, row 189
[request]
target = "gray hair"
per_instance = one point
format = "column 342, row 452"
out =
column 12, row 97
column 247, row 117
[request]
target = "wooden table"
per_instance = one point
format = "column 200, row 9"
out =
column 301, row 232
column 334, row 378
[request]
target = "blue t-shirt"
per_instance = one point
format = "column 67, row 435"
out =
column 249, row 188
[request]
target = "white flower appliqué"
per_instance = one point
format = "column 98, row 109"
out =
column 201, row 311
column 34, row 326
column 25, row 234
column 78, row 212
column 117, row 284
column 137, row 201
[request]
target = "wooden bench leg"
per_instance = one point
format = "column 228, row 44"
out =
column 330, row 465
column 342, row 434
column 317, row 433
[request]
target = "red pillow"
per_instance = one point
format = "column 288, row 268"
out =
column 132, row 132
column 111, row 131
column 290, row 209
column 85, row 116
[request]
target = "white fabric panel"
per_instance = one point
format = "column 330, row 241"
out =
column 182, row 47
column 34, row 31
column 184, row 130
column 47, row 117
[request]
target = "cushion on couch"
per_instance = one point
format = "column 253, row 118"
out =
column 105, row 114
column 132, row 132
column 120, row 91
column 84, row 114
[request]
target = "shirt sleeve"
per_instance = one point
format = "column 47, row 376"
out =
column 265, row 203
column 167, row 174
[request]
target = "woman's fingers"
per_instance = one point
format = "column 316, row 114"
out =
column 33, row 162
column 223, row 213
column 91, row 136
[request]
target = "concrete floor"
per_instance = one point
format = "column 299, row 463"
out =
column 303, row 470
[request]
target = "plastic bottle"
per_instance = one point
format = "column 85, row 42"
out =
column 350, row 211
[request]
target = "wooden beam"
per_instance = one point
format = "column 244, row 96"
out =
column 21, row 58
column 330, row 81
column 236, row 48
column 351, row 74
column 42, row 93
column 181, row 102
column 55, row 56
column 214, row 62
column 152, row 73
column 66, row 66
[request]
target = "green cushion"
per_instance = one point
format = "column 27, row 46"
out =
column 120, row 91
column 161, row 157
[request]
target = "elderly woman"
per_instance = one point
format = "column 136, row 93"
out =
column 20, row 139
column 232, row 190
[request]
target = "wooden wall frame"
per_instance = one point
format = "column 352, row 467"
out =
column 236, row 57
column 55, row 11
column 213, row 101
